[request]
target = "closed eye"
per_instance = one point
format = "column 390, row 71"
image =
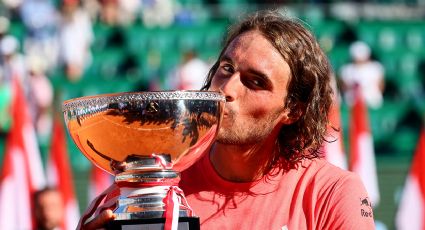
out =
column 255, row 83
column 227, row 67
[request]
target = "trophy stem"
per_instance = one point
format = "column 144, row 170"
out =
column 149, row 189
column 154, row 202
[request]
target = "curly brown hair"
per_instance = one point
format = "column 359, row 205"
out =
column 309, row 90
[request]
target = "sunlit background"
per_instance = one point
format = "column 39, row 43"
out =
column 66, row 49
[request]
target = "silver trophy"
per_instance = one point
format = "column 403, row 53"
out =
column 145, row 139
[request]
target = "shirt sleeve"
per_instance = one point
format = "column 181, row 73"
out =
column 347, row 205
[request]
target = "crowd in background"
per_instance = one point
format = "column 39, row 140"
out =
column 59, row 37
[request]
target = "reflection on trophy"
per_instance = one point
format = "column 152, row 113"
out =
column 145, row 139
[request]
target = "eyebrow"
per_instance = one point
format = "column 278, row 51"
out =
column 225, row 57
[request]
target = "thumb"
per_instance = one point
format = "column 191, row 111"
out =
column 100, row 220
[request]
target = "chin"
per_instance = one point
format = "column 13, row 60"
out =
column 224, row 137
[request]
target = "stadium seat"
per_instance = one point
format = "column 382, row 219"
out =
column 140, row 38
column 384, row 35
column 339, row 56
column 390, row 61
column 214, row 34
column 328, row 33
column 105, row 64
column 415, row 37
column 190, row 2
column 190, row 37
column 388, row 38
column 101, row 33
column 384, row 120
column 163, row 39
column 136, row 37
column 210, row 55
column 401, row 68
column 17, row 29
column 229, row 7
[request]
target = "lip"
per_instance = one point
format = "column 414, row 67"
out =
column 225, row 113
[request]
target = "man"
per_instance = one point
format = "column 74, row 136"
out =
column 48, row 209
column 264, row 170
column 365, row 74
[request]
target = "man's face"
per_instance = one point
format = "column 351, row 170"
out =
column 253, row 76
column 49, row 210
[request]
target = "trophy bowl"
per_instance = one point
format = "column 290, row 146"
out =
column 145, row 139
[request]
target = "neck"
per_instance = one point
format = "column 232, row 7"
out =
column 242, row 163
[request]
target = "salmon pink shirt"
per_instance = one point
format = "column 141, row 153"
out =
column 313, row 195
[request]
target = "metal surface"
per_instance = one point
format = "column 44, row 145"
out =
column 145, row 139
column 117, row 129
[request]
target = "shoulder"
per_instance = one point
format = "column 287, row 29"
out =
column 322, row 168
column 342, row 198
column 332, row 178
column 375, row 65
column 346, row 69
column 348, row 72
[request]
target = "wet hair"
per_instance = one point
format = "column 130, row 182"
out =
column 309, row 94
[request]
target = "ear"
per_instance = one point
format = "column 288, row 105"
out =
column 290, row 116
column 286, row 119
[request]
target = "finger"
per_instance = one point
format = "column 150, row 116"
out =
column 100, row 220
column 110, row 204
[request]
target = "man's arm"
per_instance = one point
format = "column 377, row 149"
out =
column 347, row 206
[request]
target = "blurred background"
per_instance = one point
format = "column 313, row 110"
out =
column 63, row 49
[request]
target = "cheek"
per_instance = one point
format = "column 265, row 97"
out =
column 254, row 109
column 260, row 109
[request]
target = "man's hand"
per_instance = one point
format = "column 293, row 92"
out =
column 100, row 220
column 98, row 214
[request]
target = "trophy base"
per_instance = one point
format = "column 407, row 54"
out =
column 185, row 223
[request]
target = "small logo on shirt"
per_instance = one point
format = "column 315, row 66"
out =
column 284, row 228
column 365, row 202
column 366, row 207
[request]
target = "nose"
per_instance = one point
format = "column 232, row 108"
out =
column 231, row 87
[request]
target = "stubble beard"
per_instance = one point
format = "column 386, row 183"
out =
column 250, row 132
